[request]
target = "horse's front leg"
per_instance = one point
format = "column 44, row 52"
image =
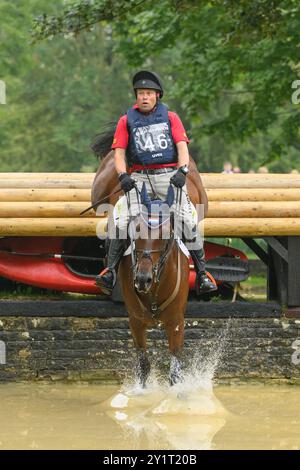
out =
column 139, row 334
column 175, row 374
column 175, row 332
column 143, row 367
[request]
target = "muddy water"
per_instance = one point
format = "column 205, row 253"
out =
column 189, row 416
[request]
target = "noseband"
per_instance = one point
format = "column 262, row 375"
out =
column 157, row 270
column 158, row 267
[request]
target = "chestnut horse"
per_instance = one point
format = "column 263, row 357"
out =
column 155, row 286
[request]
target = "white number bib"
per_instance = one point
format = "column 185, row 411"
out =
column 153, row 138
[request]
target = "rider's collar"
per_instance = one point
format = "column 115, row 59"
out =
column 135, row 106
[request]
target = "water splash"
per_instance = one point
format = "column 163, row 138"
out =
column 186, row 415
column 194, row 394
column 201, row 366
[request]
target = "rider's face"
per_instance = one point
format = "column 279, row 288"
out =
column 146, row 99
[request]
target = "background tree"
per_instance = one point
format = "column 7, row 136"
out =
column 59, row 93
column 227, row 69
column 230, row 65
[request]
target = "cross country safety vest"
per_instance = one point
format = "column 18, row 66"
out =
column 150, row 137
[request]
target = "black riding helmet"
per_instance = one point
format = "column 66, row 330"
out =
column 145, row 79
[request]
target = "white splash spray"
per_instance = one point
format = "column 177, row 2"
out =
column 186, row 415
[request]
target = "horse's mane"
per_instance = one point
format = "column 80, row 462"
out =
column 101, row 144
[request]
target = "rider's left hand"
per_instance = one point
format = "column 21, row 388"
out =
column 178, row 179
column 127, row 183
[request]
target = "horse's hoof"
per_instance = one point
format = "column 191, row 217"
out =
column 142, row 379
column 175, row 379
column 142, row 383
column 143, row 368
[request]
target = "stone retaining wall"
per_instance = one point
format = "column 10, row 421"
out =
column 90, row 347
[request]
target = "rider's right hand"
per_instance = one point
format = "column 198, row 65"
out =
column 127, row 183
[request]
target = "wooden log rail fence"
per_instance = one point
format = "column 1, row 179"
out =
column 246, row 206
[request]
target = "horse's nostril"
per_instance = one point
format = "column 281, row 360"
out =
column 144, row 280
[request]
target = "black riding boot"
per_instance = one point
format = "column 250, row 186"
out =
column 106, row 280
column 203, row 283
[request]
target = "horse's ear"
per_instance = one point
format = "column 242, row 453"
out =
column 145, row 199
column 170, row 196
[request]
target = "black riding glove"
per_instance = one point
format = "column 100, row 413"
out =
column 178, row 179
column 127, row 183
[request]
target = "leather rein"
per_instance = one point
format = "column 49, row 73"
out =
column 154, row 307
column 157, row 269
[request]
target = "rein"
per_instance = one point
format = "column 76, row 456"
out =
column 156, row 309
column 157, row 270
column 96, row 204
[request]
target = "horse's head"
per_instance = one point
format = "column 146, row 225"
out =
column 155, row 226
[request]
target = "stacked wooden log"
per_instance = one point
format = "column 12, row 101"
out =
column 252, row 204
column 49, row 204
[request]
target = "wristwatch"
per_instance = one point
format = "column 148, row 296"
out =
column 184, row 169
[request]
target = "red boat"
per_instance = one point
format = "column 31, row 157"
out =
column 70, row 263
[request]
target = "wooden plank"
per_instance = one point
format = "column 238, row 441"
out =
column 45, row 209
column 277, row 280
column 46, row 175
column 210, row 180
column 216, row 209
column 231, row 195
column 280, row 249
column 30, row 194
column 257, row 249
column 253, row 194
column 294, row 271
column 46, row 183
column 292, row 312
column 246, row 180
column 251, row 227
column 52, row 227
column 254, row 209
column 107, row 309
column 230, row 227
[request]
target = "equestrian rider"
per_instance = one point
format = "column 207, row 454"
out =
column 153, row 142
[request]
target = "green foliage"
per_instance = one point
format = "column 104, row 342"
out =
column 229, row 64
column 227, row 68
column 59, row 93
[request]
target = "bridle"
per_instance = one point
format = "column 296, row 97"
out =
column 157, row 268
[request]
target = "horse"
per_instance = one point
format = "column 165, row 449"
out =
column 154, row 280
column 155, row 285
